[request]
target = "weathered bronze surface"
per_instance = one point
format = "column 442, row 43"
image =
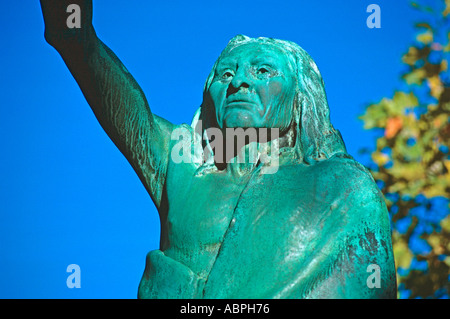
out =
column 308, row 226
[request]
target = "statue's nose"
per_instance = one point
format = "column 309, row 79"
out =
column 240, row 80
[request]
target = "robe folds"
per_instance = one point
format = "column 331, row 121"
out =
column 307, row 231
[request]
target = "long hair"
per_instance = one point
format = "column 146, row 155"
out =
column 316, row 139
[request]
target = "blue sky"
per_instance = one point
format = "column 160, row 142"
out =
column 68, row 196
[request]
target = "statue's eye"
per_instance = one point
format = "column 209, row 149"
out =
column 262, row 70
column 227, row 75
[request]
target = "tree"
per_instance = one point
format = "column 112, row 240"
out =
column 411, row 160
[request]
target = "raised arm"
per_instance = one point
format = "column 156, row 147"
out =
column 113, row 94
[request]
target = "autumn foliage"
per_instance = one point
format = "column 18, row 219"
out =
column 411, row 159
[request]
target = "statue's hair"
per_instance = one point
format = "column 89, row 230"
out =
column 316, row 139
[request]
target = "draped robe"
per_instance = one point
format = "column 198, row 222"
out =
column 307, row 231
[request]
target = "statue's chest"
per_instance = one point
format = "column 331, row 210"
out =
column 200, row 209
column 212, row 221
column 273, row 227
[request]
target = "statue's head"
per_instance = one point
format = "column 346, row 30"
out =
column 270, row 83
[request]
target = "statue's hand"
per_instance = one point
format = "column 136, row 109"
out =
column 57, row 29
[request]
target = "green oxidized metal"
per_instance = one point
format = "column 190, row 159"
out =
column 308, row 231
column 310, row 228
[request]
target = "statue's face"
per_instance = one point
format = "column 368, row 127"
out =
column 253, row 86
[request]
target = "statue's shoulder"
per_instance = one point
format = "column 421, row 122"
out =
column 344, row 173
column 338, row 181
column 340, row 171
column 342, row 166
column 352, row 188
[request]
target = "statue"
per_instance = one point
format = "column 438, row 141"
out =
column 314, row 225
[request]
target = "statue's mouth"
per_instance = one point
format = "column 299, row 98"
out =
column 239, row 100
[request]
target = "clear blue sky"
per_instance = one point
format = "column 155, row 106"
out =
column 67, row 195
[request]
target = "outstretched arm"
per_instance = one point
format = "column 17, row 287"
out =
column 113, row 94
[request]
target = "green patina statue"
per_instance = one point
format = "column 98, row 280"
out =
column 314, row 225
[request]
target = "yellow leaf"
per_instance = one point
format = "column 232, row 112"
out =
column 447, row 8
column 402, row 100
column 447, row 261
column 408, row 172
column 411, row 56
column 415, row 77
column 402, row 254
column 380, row 158
column 435, row 242
column 425, row 37
column 445, row 223
column 444, row 65
column 435, row 85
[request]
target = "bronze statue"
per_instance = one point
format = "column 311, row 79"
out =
column 312, row 225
